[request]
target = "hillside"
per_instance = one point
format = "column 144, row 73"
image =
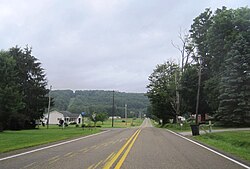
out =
column 99, row 101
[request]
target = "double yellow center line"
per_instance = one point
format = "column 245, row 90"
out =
column 127, row 145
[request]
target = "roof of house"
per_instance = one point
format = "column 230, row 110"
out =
column 69, row 114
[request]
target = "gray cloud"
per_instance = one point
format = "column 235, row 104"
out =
column 100, row 44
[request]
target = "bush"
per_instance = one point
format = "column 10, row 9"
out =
column 123, row 121
column 17, row 122
column 1, row 127
column 77, row 125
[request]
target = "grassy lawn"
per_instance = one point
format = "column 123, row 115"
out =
column 236, row 143
column 119, row 124
column 13, row 140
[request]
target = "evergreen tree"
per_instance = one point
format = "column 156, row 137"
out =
column 234, row 107
column 31, row 77
column 10, row 96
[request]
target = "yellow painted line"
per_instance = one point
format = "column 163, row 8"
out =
column 119, row 164
column 97, row 165
column 110, row 156
column 90, row 167
column 68, row 154
column 29, row 165
column 111, row 162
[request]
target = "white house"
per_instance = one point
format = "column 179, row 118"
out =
column 115, row 117
column 68, row 117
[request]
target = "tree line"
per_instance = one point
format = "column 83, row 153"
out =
column 23, row 93
column 216, row 50
column 100, row 101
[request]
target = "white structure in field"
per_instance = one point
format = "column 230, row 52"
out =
column 115, row 117
column 68, row 117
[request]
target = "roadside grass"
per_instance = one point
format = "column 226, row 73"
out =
column 13, row 140
column 176, row 127
column 234, row 142
column 118, row 123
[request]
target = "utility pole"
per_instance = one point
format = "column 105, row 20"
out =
column 126, row 113
column 177, row 96
column 113, row 108
column 198, row 94
column 49, row 107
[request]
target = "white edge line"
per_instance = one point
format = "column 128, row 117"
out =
column 54, row 145
column 222, row 155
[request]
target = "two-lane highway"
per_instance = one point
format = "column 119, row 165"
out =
column 143, row 147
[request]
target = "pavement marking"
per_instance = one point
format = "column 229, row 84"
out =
column 109, row 164
column 209, row 149
column 51, row 162
column 54, row 145
column 29, row 165
column 123, row 139
column 68, row 154
column 83, row 149
column 98, row 147
column 55, row 157
column 110, row 156
column 106, row 144
column 93, row 146
column 97, row 165
column 119, row 164
column 72, row 155
column 90, row 167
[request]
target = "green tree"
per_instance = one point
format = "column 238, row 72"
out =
column 234, row 107
column 10, row 96
column 102, row 117
column 31, row 77
column 161, row 91
column 189, row 88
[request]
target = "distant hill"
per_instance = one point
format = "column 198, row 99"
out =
column 99, row 101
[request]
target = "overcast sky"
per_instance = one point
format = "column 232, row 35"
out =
column 100, row 44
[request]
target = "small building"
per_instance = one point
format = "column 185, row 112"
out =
column 68, row 117
column 115, row 117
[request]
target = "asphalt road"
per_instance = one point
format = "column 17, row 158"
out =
column 145, row 147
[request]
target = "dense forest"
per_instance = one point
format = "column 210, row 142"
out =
column 100, row 101
column 214, row 74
